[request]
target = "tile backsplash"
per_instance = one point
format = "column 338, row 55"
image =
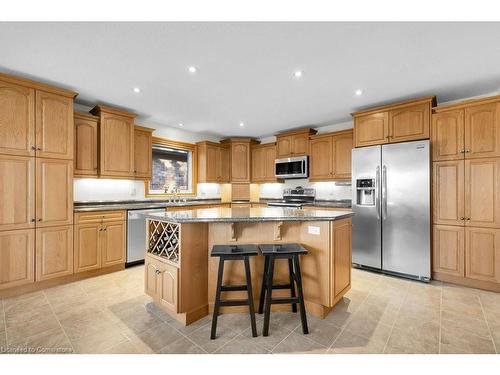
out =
column 324, row 190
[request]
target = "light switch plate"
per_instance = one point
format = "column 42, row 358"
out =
column 313, row 230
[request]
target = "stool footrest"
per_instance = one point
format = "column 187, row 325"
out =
column 233, row 288
column 284, row 300
column 282, row 286
column 234, row 302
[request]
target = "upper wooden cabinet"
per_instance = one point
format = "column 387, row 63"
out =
column 54, row 126
column 116, row 130
column 399, row 122
column 143, row 152
column 17, row 119
column 469, row 130
column 213, row 162
column 86, row 146
column 294, row 143
column 448, row 192
column 263, row 157
column 240, row 155
column 330, row 156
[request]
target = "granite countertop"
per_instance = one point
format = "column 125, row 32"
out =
column 232, row 215
column 137, row 205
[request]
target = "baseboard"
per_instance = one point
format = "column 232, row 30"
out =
column 479, row 284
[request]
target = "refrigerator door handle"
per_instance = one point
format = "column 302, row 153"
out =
column 377, row 187
column 384, row 192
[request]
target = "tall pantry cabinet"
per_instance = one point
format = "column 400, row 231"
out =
column 36, row 182
column 466, row 193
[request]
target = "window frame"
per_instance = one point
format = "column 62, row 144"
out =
column 194, row 167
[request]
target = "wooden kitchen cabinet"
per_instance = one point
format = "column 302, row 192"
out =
column 240, row 161
column 17, row 119
column 143, row 143
column 86, row 145
column 54, row 126
column 448, row 250
column 404, row 121
column 263, row 157
column 17, row 192
column 54, row 192
column 87, row 247
column 482, row 192
column 482, row 254
column 54, row 252
column 116, row 150
column 161, row 283
column 448, row 135
column 113, row 243
column 482, row 130
column 294, row 143
column 17, row 257
column 448, row 198
column 213, row 162
column 330, row 156
column 341, row 258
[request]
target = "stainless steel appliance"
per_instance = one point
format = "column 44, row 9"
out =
column 296, row 167
column 295, row 197
column 136, row 235
column 391, row 202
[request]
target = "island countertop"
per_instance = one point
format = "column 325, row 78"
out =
column 232, row 215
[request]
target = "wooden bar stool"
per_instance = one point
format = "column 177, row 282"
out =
column 290, row 252
column 234, row 252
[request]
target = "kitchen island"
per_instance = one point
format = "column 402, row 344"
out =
column 181, row 276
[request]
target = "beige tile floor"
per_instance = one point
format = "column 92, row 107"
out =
column 381, row 314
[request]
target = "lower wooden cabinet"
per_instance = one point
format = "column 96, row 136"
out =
column 99, row 243
column 161, row 283
column 482, row 254
column 448, row 250
column 17, row 257
column 54, row 252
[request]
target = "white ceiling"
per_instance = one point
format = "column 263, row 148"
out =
column 246, row 69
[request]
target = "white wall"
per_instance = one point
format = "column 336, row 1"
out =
column 324, row 190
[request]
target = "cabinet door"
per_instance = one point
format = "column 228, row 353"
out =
column 85, row 147
column 151, row 279
column 300, row 144
column 87, row 253
column 17, row 257
column 117, row 146
column 258, row 167
column 448, row 135
column 225, row 171
column 448, row 192
column 482, row 131
column 17, row 120
column 113, row 245
column 341, row 257
column 269, row 158
column 482, row 254
column 482, row 192
column 54, row 252
column 142, row 154
column 54, row 192
column 284, row 146
column 371, row 129
column 321, row 159
column 240, row 162
column 410, row 123
column 342, row 151
column 54, row 126
column 213, row 164
column 169, row 287
column 448, row 251
column 17, row 192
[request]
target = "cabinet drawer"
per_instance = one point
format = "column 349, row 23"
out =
column 99, row 217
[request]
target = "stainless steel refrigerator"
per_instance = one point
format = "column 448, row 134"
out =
column 391, row 202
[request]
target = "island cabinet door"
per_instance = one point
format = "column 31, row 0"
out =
column 168, row 287
column 151, row 279
column 341, row 259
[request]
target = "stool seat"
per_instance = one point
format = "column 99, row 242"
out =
column 282, row 248
column 219, row 250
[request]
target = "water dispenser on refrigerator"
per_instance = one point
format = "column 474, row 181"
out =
column 365, row 192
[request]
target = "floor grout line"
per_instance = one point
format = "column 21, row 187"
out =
column 58, row 322
column 5, row 323
column 488, row 325
column 393, row 325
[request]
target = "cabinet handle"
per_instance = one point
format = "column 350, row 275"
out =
column 39, row 149
column 467, row 151
column 33, row 220
column 157, row 272
column 462, row 151
column 462, row 218
column 39, row 219
column 33, row 148
column 468, row 218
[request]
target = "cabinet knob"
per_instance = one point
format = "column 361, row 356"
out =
column 462, row 151
column 39, row 149
column 462, row 218
column 468, row 218
column 466, row 151
column 157, row 272
column 33, row 148
column 33, row 220
column 39, row 219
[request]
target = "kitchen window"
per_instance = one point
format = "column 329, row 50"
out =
column 173, row 168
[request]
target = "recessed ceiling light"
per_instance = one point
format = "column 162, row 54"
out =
column 136, row 89
column 192, row 69
column 358, row 92
column 298, row 73
column 181, row 124
column 242, row 124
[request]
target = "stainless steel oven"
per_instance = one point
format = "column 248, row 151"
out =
column 296, row 167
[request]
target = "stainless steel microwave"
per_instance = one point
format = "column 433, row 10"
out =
column 296, row 167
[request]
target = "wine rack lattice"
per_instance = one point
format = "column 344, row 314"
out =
column 164, row 240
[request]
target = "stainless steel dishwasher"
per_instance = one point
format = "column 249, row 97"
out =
column 136, row 235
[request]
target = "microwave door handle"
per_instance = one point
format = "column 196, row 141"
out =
column 303, row 166
column 384, row 192
column 377, row 187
